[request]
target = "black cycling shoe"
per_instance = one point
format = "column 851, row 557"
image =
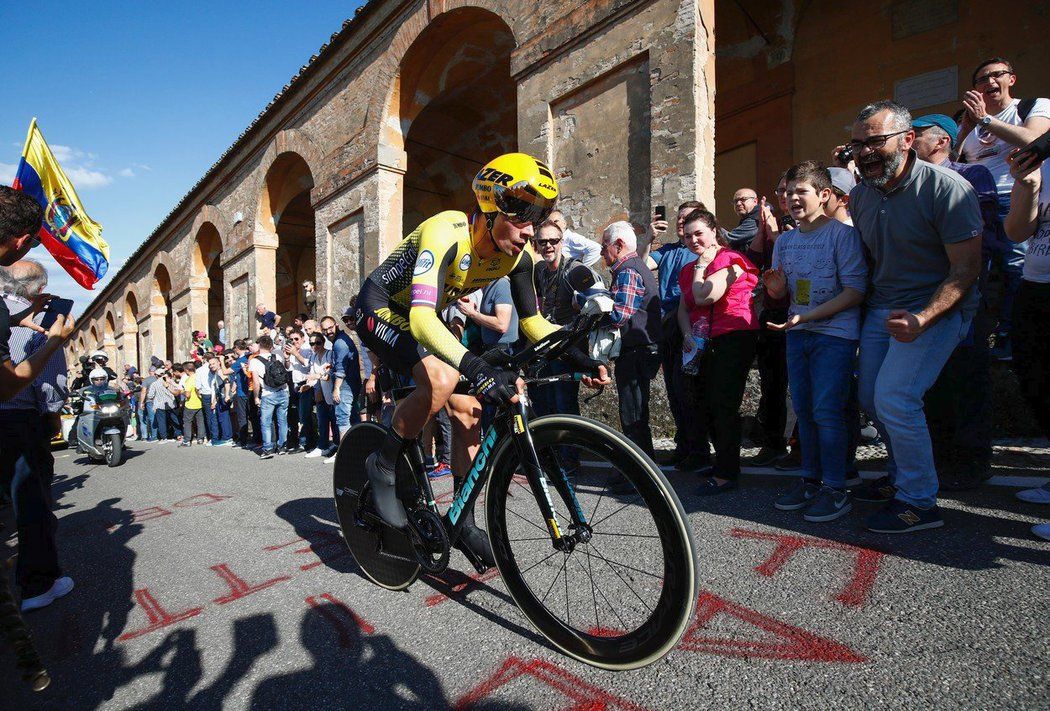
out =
column 477, row 541
column 384, row 493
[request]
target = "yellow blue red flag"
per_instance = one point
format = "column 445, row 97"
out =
column 72, row 238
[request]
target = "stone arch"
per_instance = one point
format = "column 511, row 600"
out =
column 94, row 342
column 286, row 231
column 446, row 80
column 206, row 283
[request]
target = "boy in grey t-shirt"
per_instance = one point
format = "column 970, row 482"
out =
column 821, row 267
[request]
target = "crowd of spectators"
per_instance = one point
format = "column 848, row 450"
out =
column 855, row 289
column 291, row 391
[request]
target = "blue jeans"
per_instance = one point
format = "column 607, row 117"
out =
column 893, row 378
column 224, row 426
column 275, row 403
column 148, row 426
column 820, row 373
column 346, row 411
column 211, row 424
column 160, row 421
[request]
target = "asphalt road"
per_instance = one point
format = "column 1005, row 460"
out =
column 206, row 578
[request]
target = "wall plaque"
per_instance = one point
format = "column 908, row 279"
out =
column 929, row 89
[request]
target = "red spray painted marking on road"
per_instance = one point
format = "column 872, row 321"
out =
column 323, row 540
column 199, row 500
column 338, row 616
column 158, row 617
column 150, row 513
column 796, row 644
column 238, row 587
column 865, row 566
column 461, row 588
column 583, row 696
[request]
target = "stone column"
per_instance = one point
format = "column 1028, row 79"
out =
column 264, row 283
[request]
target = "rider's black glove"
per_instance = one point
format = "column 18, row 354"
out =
column 491, row 384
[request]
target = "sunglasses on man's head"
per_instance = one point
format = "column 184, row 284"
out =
column 316, row 343
column 545, row 242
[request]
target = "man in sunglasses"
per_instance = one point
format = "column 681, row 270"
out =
column 995, row 123
column 448, row 256
column 922, row 226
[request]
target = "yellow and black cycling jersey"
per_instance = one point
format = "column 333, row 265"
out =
column 435, row 265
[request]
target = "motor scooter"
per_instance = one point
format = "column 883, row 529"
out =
column 101, row 425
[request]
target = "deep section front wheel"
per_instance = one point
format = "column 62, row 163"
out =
column 384, row 554
column 622, row 594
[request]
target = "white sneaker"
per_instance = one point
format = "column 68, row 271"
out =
column 314, row 453
column 60, row 588
column 329, row 460
column 1042, row 530
column 1039, row 495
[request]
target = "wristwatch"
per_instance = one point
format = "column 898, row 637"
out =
column 983, row 123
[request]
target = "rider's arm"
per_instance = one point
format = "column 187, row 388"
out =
column 523, row 293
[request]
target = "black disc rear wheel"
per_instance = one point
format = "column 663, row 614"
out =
column 385, row 554
column 623, row 595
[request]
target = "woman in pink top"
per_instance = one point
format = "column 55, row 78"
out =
column 719, row 287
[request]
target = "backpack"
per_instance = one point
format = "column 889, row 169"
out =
column 1024, row 107
column 275, row 376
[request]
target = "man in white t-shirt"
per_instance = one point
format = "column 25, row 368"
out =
column 574, row 245
column 993, row 125
column 271, row 399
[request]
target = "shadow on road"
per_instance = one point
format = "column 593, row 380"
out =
column 350, row 669
column 969, row 540
column 315, row 520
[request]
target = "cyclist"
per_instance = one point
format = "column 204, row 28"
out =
column 447, row 256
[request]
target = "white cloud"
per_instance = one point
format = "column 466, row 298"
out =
column 126, row 173
column 87, row 178
column 7, row 173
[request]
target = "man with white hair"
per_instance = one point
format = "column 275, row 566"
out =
column 636, row 311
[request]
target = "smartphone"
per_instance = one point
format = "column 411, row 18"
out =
column 52, row 309
column 59, row 306
column 661, row 212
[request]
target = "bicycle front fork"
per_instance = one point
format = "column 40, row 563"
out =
column 540, row 484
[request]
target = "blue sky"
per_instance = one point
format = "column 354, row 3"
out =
column 139, row 99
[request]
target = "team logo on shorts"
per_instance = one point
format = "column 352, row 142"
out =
column 424, row 263
column 464, row 264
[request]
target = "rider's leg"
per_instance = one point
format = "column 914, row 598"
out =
column 465, row 414
column 435, row 380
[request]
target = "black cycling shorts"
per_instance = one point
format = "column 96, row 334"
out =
column 385, row 331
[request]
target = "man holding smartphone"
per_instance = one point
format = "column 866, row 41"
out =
column 38, row 574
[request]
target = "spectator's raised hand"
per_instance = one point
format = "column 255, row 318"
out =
column 63, row 327
column 1024, row 165
column 975, row 108
column 658, row 226
column 466, row 305
column 775, row 282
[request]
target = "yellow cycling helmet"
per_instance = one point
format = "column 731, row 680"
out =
column 518, row 186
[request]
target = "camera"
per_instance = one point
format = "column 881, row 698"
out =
column 845, row 155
